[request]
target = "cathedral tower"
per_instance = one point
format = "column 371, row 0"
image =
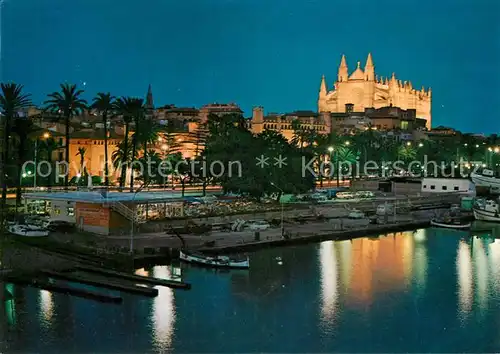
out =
column 369, row 68
column 363, row 89
column 343, row 72
column 149, row 105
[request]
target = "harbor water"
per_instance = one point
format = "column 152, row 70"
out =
column 429, row 290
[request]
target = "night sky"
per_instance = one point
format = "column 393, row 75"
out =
column 257, row 52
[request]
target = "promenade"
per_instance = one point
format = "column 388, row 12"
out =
column 227, row 240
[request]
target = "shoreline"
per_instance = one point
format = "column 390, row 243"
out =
column 318, row 237
column 340, row 235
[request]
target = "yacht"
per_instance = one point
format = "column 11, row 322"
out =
column 487, row 210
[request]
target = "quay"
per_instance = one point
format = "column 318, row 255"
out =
column 106, row 215
column 137, row 278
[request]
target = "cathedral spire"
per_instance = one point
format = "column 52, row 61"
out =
column 149, row 98
column 343, row 72
column 322, row 87
column 369, row 68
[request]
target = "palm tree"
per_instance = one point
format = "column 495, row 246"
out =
column 345, row 155
column 104, row 104
column 81, row 152
column 128, row 108
column 68, row 103
column 407, row 152
column 139, row 112
column 23, row 128
column 12, row 100
column 148, row 133
column 121, row 157
column 49, row 145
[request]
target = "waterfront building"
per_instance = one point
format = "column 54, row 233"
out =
column 284, row 123
column 103, row 212
column 364, row 89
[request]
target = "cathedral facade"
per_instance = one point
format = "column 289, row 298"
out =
column 364, row 89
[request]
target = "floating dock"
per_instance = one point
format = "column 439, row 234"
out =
column 64, row 289
column 136, row 278
column 104, row 283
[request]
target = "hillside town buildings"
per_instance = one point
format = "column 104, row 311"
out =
column 358, row 101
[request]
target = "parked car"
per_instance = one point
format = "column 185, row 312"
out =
column 345, row 195
column 258, row 225
column 365, row 194
column 356, row 214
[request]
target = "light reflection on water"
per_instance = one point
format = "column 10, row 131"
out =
column 163, row 316
column 329, row 280
column 342, row 296
column 465, row 280
column 46, row 307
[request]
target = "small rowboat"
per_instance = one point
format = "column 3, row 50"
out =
column 214, row 261
column 451, row 225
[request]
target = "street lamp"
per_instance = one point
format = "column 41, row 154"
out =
column 45, row 135
column 282, row 209
column 408, row 143
column 420, row 144
column 347, row 143
column 134, row 214
column 331, row 149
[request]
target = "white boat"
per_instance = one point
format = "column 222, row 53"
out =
column 486, row 179
column 451, row 225
column 26, row 230
column 214, row 261
column 487, row 210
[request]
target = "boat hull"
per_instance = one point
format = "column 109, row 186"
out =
column 214, row 261
column 485, row 215
column 485, row 181
column 451, row 226
column 18, row 230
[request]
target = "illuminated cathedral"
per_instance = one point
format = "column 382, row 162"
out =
column 364, row 89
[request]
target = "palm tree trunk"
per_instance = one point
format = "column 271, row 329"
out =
column 4, row 164
column 106, row 171
column 132, row 158
column 66, row 176
column 146, row 173
column 49, row 160
column 338, row 169
column 20, row 162
column 124, row 158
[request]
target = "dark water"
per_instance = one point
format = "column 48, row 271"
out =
column 428, row 291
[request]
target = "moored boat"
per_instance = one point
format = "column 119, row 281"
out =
column 486, row 179
column 488, row 210
column 456, row 224
column 26, row 230
column 215, row 261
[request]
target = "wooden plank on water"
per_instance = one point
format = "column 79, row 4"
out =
column 67, row 290
column 132, row 289
column 137, row 278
